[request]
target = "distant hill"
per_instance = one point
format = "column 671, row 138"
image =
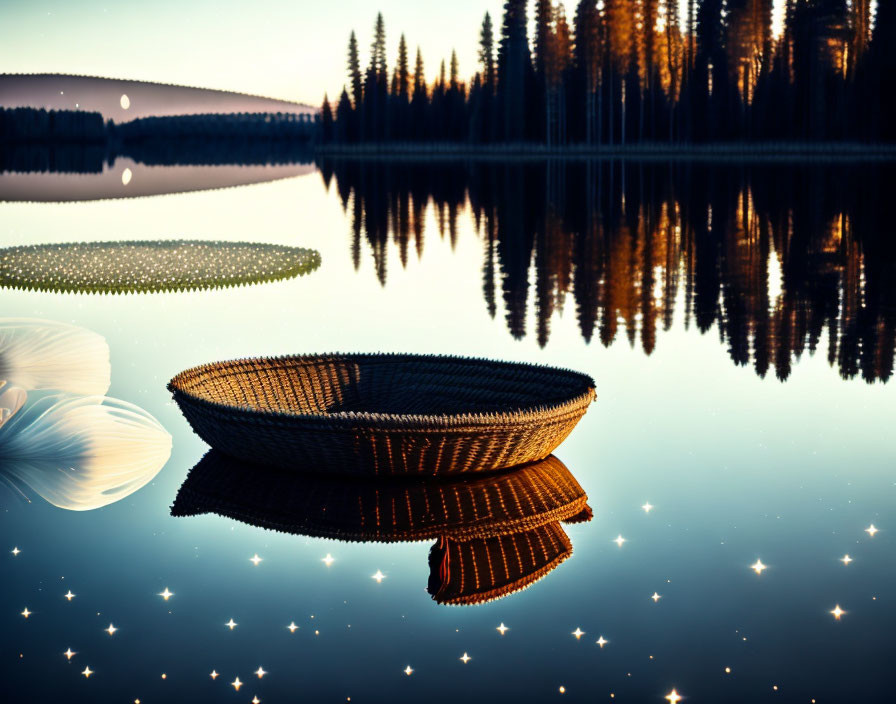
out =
column 144, row 99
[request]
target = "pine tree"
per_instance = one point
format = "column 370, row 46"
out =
column 378, row 48
column 354, row 71
column 487, row 53
column 326, row 121
column 588, row 59
column 514, row 67
column 402, row 70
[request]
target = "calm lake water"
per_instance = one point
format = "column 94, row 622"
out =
column 739, row 323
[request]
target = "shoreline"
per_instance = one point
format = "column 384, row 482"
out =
column 744, row 152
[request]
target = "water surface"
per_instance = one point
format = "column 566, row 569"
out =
column 739, row 324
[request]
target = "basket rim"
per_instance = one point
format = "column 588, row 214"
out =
column 395, row 421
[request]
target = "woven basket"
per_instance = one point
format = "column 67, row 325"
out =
column 381, row 415
column 473, row 572
column 324, row 506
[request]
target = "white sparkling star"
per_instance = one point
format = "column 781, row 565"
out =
column 111, row 630
column 561, row 689
column 214, row 674
column 236, row 684
column 255, row 559
column 838, row 612
column 601, row 641
column 871, row 530
column 26, row 613
column 408, row 670
column 15, row 552
column 846, row 559
column 69, row 654
column 674, row 697
column 578, row 633
column 328, row 560
column 502, row 629
column 260, row 672
column 87, row 671
column 758, row 567
column 656, row 597
column 292, row 627
column 379, row 577
column 619, row 540
column 256, row 700
column 69, row 596
column 648, row 507
column 465, row 658
column 231, row 624
column 166, row 594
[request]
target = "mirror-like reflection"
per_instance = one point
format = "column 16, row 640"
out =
column 50, row 182
column 776, row 257
column 150, row 267
column 496, row 533
column 78, row 449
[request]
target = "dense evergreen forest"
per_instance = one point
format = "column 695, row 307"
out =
column 621, row 72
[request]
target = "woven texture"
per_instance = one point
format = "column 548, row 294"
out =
column 476, row 571
column 384, row 511
column 381, row 415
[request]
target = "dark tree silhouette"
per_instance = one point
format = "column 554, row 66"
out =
column 633, row 71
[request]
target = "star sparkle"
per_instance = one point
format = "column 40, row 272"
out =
column 69, row 595
column 871, row 530
column 379, row 577
column 578, row 633
column 465, row 658
column 255, row 559
column 15, row 552
column 110, row 630
column 837, row 612
column 292, row 627
column 758, row 567
column 69, row 654
column 502, row 629
column 648, row 507
column 256, row 700
column 674, row 697
column 619, row 540
column 26, row 613
column 328, row 560
column 87, row 671
column 214, row 674
column 231, row 624
column 236, row 684
column 408, row 670
column 601, row 641
column 846, row 559
column 260, row 672
column 166, row 594
column 656, row 597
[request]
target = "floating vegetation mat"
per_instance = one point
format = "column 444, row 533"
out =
column 150, row 267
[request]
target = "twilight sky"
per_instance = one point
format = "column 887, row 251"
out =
column 287, row 49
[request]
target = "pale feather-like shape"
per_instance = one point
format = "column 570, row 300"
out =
column 46, row 355
column 82, row 452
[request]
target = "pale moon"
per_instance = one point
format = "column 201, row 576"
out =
column 125, row 102
column 126, row 176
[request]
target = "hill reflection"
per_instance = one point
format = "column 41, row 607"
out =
column 776, row 257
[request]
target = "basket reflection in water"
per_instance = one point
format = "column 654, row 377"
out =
column 150, row 266
column 496, row 533
column 383, row 414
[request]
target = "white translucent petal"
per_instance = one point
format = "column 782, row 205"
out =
column 81, row 453
column 11, row 400
column 42, row 354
